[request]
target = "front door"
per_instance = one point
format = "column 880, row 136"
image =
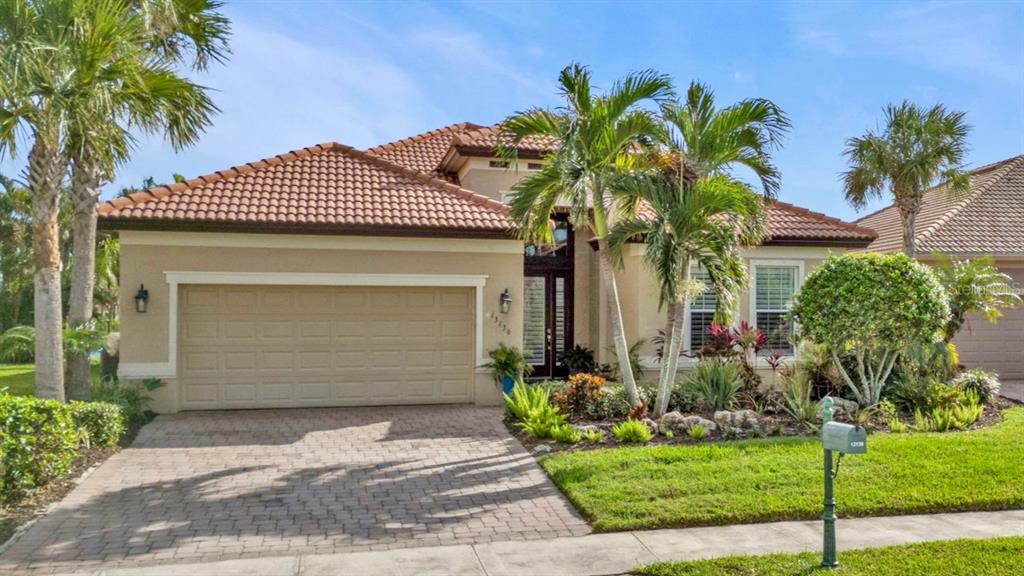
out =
column 548, row 303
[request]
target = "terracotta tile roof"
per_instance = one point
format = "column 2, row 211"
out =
column 793, row 225
column 327, row 188
column 423, row 152
column 988, row 220
column 485, row 140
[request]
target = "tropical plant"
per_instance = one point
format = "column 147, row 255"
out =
column 566, row 434
column 132, row 397
column 896, row 426
column 592, row 137
column 593, row 435
column 507, row 361
column 17, row 342
column 632, row 431
column 984, row 384
column 525, row 399
column 697, row 432
column 614, row 370
column 582, row 391
column 715, row 383
column 578, row 359
column 540, row 421
column 917, row 148
column 132, row 85
column 871, row 308
column 974, row 286
column 795, row 398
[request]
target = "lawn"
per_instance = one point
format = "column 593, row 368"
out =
column 780, row 478
column 19, row 379
column 997, row 557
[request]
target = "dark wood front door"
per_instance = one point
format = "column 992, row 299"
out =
column 548, row 303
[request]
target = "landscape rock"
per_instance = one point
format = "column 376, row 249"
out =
column 678, row 423
column 651, row 425
column 542, row 448
column 741, row 419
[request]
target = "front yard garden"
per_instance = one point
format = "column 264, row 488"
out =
column 769, row 479
column 996, row 557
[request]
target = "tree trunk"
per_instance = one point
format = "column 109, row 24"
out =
column 86, row 183
column 45, row 171
column 908, row 206
column 670, row 363
column 618, row 331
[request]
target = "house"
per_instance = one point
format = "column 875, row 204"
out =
column 333, row 276
column 988, row 220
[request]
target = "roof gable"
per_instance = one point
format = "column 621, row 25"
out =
column 423, row 152
column 989, row 219
column 328, row 187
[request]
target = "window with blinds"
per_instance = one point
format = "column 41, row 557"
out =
column 774, row 287
column 702, row 311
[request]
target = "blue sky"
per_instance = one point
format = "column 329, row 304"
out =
column 366, row 73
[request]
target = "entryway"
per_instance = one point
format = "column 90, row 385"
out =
column 548, row 302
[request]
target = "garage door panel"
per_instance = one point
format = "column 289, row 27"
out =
column 315, row 346
column 997, row 347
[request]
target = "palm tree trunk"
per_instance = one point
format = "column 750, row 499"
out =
column 670, row 363
column 908, row 206
column 618, row 331
column 86, row 183
column 45, row 171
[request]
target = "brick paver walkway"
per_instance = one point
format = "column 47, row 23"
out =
column 220, row 485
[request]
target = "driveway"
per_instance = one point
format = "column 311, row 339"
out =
column 218, row 485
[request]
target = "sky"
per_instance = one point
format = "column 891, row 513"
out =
column 365, row 73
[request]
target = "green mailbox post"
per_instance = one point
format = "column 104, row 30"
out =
column 845, row 439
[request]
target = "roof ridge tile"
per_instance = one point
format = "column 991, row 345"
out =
column 403, row 142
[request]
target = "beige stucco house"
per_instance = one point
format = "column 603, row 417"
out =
column 988, row 220
column 331, row 276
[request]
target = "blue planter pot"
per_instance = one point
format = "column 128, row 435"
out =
column 507, row 384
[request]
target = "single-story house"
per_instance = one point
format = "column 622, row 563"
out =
column 331, row 276
column 988, row 220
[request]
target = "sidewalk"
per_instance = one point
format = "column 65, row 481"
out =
column 608, row 554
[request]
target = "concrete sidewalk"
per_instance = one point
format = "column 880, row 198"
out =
column 608, row 554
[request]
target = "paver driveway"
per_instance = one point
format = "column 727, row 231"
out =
column 216, row 485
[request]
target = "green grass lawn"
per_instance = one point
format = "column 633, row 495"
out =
column 997, row 557
column 19, row 379
column 780, row 478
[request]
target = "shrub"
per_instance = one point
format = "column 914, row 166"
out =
column 565, row 434
column 897, row 427
column 38, row 442
column 131, row 397
column 583, row 390
column 609, row 405
column 872, row 307
column 594, row 435
column 539, row 422
column 795, row 398
column 715, row 382
column 632, row 431
column 697, row 432
column 969, row 411
column 638, row 412
column 926, row 394
column 507, row 361
column 985, row 384
column 526, row 399
column 101, row 423
column 578, row 359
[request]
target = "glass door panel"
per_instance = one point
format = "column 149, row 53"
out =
column 535, row 320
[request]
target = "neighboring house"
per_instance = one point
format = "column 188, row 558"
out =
column 988, row 220
column 333, row 276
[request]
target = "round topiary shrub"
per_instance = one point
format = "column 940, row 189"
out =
column 870, row 308
column 986, row 384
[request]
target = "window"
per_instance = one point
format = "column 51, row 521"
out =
column 534, row 166
column 702, row 311
column 498, row 164
column 774, row 287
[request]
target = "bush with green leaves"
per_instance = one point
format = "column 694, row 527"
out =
column 610, row 405
column 795, row 397
column 593, row 435
column 526, row 398
column 101, row 423
column 872, row 308
column 634, row 431
column 714, row 383
column 566, row 434
column 984, row 384
column 38, row 443
column 697, row 432
column 539, row 422
column 132, row 397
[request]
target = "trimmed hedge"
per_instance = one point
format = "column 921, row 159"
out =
column 39, row 439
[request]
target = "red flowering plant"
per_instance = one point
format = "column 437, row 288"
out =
column 742, row 343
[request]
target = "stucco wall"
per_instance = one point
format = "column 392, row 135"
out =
column 147, row 256
column 479, row 176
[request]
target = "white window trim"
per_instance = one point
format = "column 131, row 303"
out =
column 754, row 265
column 175, row 279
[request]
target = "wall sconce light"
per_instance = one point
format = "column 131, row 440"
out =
column 506, row 301
column 141, row 299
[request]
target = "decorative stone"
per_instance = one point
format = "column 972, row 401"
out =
column 651, row 425
column 741, row 419
column 542, row 448
column 680, row 424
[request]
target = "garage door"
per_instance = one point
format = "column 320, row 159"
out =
column 999, row 347
column 286, row 346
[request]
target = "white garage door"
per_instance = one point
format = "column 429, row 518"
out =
column 288, row 346
column 998, row 347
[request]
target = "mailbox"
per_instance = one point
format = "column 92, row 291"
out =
column 844, row 438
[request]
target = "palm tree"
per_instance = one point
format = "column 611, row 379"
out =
column 703, row 222
column 132, row 85
column 916, row 149
column 594, row 137
column 974, row 286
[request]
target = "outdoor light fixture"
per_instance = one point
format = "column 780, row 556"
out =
column 506, row 301
column 141, row 299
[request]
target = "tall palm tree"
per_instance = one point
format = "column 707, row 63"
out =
column 594, row 137
column 916, row 149
column 132, row 85
column 703, row 222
